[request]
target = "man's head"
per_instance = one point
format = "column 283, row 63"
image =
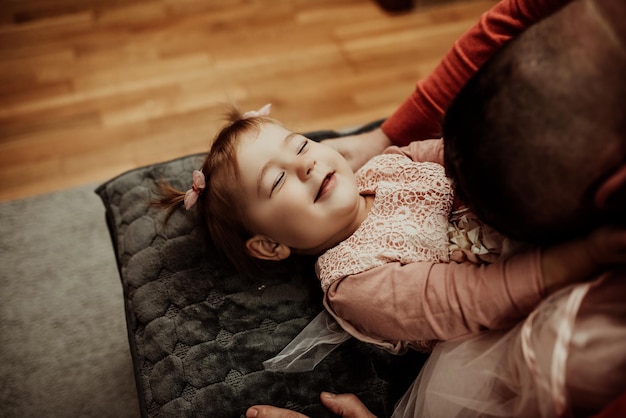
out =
column 536, row 141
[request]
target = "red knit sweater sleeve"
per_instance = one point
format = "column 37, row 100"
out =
column 419, row 117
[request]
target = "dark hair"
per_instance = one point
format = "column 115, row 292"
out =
column 530, row 136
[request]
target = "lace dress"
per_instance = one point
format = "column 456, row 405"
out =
column 408, row 221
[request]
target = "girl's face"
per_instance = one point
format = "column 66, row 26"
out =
column 297, row 192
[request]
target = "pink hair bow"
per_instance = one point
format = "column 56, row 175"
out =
column 191, row 197
column 264, row 111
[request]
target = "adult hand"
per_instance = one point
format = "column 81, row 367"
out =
column 346, row 405
column 358, row 149
column 582, row 259
column 607, row 246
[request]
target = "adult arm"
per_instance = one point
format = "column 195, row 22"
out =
column 419, row 117
column 374, row 142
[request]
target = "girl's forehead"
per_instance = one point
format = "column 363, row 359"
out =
column 269, row 130
column 266, row 133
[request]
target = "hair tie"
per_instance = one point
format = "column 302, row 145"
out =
column 264, row 111
column 191, row 196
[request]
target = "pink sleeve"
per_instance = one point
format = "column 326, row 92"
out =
column 425, row 301
column 419, row 117
column 430, row 150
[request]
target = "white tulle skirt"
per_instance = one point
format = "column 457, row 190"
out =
column 568, row 358
column 316, row 341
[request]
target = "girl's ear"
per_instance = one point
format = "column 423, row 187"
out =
column 262, row 247
column 612, row 190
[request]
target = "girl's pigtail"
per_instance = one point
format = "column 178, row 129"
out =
column 168, row 198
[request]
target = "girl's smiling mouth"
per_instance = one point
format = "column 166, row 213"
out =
column 328, row 183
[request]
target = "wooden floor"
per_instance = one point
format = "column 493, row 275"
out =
column 89, row 89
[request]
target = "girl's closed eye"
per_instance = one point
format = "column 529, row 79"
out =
column 277, row 182
column 303, row 146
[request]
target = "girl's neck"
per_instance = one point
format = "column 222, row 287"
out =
column 368, row 202
column 365, row 205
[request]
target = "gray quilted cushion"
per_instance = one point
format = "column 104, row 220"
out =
column 199, row 332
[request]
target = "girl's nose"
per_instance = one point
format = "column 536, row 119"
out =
column 305, row 167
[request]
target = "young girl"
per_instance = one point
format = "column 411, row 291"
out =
column 381, row 235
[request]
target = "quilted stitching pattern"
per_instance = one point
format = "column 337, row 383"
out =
column 199, row 332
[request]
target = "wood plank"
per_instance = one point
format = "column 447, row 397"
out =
column 91, row 89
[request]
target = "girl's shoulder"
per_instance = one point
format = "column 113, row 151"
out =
column 395, row 168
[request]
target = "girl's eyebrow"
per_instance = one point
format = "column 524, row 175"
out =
column 286, row 140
